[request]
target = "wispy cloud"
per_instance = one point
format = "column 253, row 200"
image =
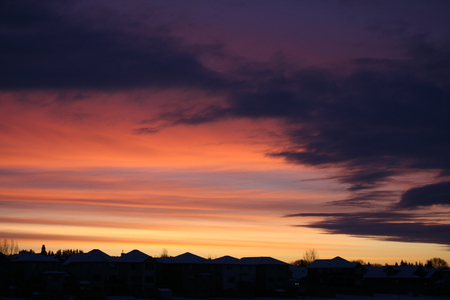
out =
column 386, row 226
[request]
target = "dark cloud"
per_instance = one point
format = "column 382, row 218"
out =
column 366, row 179
column 386, row 226
column 367, row 199
column 428, row 195
column 374, row 125
column 384, row 118
column 42, row 48
column 272, row 104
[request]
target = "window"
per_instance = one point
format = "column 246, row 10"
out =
column 231, row 279
column 149, row 267
column 149, row 279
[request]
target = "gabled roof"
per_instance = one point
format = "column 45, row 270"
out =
column 337, row 262
column 134, row 256
column 185, row 258
column 33, row 257
column 4, row 257
column 263, row 260
column 431, row 272
column 189, row 258
column 92, row 256
column 398, row 272
column 374, row 272
column 227, row 260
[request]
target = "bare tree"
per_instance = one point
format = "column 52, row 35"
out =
column 164, row 253
column 310, row 256
column 9, row 247
column 210, row 257
column 436, row 262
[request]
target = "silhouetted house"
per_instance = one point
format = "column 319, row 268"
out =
column 56, row 284
column 235, row 277
column 137, row 273
column 336, row 272
column 401, row 279
column 187, row 275
column 96, row 273
column 445, row 275
column 298, row 275
column 5, row 275
column 272, row 275
column 27, row 272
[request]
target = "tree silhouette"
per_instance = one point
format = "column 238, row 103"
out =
column 164, row 253
column 436, row 262
column 310, row 256
column 67, row 252
column 360, row 261
column 9, row 247
column 26, row 251
column 299, row 263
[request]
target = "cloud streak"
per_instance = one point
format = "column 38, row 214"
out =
column 386, row 226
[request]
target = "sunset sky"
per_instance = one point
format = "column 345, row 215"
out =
column 226, row 127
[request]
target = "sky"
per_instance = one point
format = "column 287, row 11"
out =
column 243, row 128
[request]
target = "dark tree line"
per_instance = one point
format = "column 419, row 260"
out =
column 60, row 252
column 11, row 247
